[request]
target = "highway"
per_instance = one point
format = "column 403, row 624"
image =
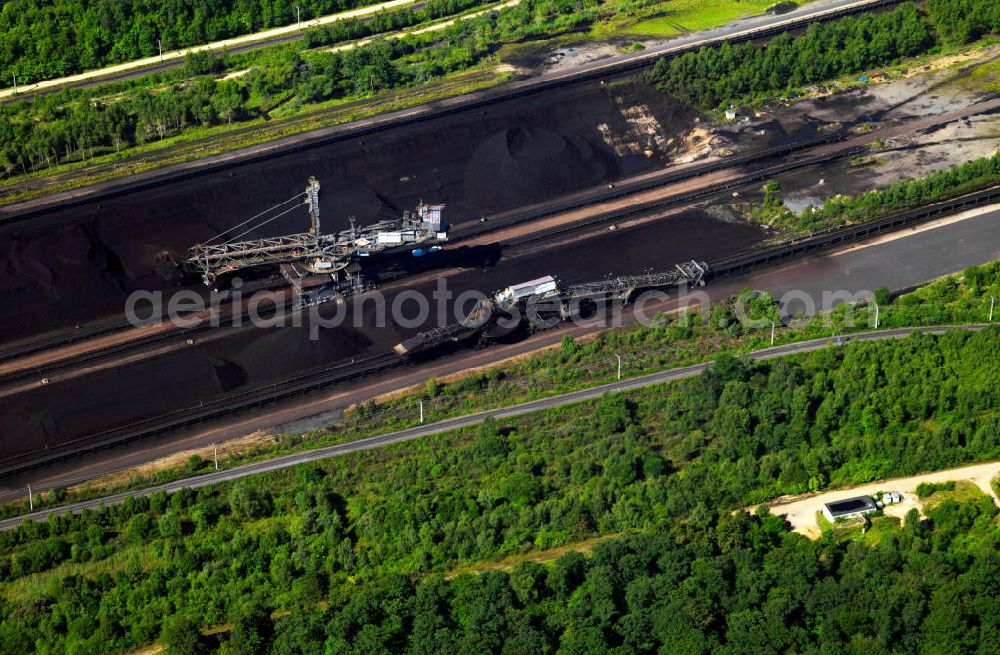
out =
column 438, row 427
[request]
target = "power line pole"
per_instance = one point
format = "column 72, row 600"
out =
column 772, row 333
column 298, row 17
column 215, row 456
column 31, row 501
column 14, row 75
column 619, row 365
column 159, row 44
column 421, row 411
column 992, row 300
column 876, row 316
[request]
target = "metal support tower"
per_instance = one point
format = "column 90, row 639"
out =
column 312, row 199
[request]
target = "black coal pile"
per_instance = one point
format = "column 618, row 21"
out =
column 531, row 164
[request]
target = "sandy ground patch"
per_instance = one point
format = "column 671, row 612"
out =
column 537, row 556
column 155, row 649
column 233, row 75
column 800, row 511
column 923, row 154
column 579, row 54
column 886, row 103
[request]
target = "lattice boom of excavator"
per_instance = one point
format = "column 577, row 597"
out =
column 317, row 265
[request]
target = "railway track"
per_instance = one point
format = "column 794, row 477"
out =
column 685, row 197
column 317, row 379
column 840, row 236
column 226, row 406
column 96, row 354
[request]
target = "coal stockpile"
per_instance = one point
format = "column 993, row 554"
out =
column 247, row 357
column 532, row 164
column 76, row 265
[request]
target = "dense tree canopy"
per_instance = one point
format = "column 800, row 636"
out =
column 43, row 39
column 962, row 21
column 748, row 72
column 737, row 585
column 363, row 532
column 78, row 124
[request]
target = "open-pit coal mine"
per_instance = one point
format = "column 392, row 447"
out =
column 73, row 266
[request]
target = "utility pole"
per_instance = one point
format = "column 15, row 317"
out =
column 298, row 17
column 619, row 365
column 772, row 333
column 421, row 410
column 992, row 300
column 215, row 456
column 31, row 501
column 876, row 316
column 159, row 44
column 14, row 75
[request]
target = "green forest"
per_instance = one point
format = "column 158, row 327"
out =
column 751, row 74
column 962, row 21
column 353, row 555
column 44, row 39
column 75, row 125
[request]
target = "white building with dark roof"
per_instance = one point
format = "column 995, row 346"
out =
column 849, row 508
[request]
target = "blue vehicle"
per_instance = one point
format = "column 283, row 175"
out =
column 420, row 252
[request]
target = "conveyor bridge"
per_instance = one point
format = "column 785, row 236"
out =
column 561, row 302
